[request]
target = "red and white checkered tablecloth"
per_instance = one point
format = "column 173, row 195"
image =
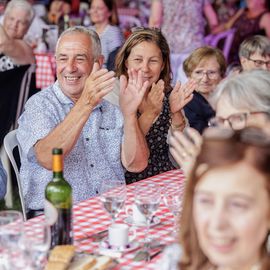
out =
column 89, row 217
column 45, row 69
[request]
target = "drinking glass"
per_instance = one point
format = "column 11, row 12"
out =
column 172, row 197
column 38, row 247
column 11, row 235
column 147, row 199
column 113, row 196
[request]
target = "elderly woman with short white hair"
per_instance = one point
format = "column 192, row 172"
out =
column 14, row 51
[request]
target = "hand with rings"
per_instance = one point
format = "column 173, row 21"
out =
column 181, row 95
column 185, row 147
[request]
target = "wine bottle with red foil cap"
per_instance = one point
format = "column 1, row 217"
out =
column 58, row 203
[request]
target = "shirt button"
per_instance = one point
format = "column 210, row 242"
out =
column 96, row 191
column 87, row 139
column 91, row 165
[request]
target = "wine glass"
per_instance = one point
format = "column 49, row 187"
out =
column 147, row 199
column 172, row 196
column 113, row 196
column 11, row 235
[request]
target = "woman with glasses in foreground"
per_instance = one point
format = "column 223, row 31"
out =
column 240, row 101
column 225, row 222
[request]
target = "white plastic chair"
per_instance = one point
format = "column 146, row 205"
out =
column 10, row 143
column 24, row 91
column 213, row 40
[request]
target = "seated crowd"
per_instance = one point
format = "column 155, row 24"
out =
column 133, row 123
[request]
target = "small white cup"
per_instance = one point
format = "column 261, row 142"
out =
column 119, row 235
column 135, row 214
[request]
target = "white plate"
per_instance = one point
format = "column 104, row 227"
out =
column 155, row 221
column 104, row 245
column 80, row 255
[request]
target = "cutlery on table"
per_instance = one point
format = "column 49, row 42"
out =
column 96, row 237
column 145, row 254
column 152, row 256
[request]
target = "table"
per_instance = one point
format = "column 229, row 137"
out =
column 90, row 217
column 45, row 69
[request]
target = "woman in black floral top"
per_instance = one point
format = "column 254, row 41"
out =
column 147, row 51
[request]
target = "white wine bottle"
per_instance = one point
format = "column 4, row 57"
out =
column 58, row 203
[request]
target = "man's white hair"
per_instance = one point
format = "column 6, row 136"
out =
column 96, row 45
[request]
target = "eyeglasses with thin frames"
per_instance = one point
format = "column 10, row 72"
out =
column 260, row 63
column 211, row 74
column 236, row 121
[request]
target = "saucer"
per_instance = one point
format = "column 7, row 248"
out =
column 155, row 220
column 105, row 246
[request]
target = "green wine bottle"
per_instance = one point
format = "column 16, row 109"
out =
column 58, row 204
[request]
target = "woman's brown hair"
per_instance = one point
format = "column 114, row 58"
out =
column 221, row 150
column 138, row 36
column 203, row 53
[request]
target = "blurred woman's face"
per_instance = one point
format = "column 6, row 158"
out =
column 253, row 4
column 16, row 23
column 99, row 12
column 231, row 215
column 207, row 74
column 66, row 8
column 147, row 57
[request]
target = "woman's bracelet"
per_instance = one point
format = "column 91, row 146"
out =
column 178, row 126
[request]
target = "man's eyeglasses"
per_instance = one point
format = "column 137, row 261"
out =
column 236, row 121
column 260, row 63
column 211, row 74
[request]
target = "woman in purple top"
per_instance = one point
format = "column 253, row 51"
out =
column 249, row 21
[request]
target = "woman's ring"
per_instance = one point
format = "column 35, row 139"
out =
column 184, row 155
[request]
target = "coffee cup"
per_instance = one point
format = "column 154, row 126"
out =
column 135, row 214
column 119, row 235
